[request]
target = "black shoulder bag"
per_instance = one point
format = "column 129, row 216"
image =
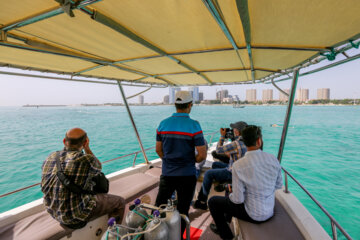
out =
column 101, row 182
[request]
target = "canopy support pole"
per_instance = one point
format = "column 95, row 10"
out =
column 288, row 113
column 278, row 88
column 215, row 11
column 242, row 6
column 132, row 121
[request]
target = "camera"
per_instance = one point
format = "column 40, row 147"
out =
column 229, row 133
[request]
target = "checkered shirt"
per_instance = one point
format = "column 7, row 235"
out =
column 64, row 206
column 236, row 149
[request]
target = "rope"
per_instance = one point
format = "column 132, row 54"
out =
column 141, row 215
column 331, row 55
column 143, row 232
column 143, row 228
column 139, row 93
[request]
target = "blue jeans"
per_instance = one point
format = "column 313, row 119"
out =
column 219, row 165
column 218, row 174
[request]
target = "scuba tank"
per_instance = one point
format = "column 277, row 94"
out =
column 137, row 216
column 173, row 221
column 160, row 229
column 114, row 232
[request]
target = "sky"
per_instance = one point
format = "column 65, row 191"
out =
column 343, row 81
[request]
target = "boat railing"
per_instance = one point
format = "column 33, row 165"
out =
column 334, row 223
column 135, row 154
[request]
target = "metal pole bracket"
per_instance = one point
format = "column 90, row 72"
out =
column 132, row 122
column 354, row 45
column 3, row 36
column 68, row 6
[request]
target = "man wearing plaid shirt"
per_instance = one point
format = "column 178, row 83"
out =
column 71, row 209
column 221, row 171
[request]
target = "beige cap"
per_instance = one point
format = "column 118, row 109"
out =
column 183, row 97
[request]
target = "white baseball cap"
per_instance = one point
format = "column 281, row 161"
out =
column 183, row 97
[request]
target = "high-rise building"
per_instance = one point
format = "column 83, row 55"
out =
column 220, row 95
column 141, row 99
column 228, row 100
column 251, row 95
column 298, row 94
column 302, row 95
column 166, row 99
column 305, row 95
column 172, row 92
column 283, row 97
column 194, row 91
column 201, row 96
column 267, row 95
column 323, row 93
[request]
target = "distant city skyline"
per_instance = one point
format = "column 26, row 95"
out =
column 343, row 82
column 301, row 95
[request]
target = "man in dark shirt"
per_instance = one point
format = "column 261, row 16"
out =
column 176, row 139
column 71, row 209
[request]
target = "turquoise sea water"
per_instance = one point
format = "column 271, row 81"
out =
column 322, row 149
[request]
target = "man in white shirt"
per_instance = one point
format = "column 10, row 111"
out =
column 255, row 178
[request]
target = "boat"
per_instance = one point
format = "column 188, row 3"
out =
column 175, row 43
column 238, row 106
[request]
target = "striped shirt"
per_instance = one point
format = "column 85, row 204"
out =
column 255, row 179
column 236, row 149
column 66, row 207
column 179, row 135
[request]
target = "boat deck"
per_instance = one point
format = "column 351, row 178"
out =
column 201, row 219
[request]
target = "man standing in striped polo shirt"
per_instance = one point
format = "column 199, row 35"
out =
column 176, row 140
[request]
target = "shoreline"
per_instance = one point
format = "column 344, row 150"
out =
column 158, row 104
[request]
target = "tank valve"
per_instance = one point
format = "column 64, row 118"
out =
column 111, row 222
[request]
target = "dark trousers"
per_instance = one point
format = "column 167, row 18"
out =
column 112, row 205
column 222, row 209
column 222, row 157
column 109, row 204
column 184, row 186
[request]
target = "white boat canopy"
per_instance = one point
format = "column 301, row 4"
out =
column 175, row 42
